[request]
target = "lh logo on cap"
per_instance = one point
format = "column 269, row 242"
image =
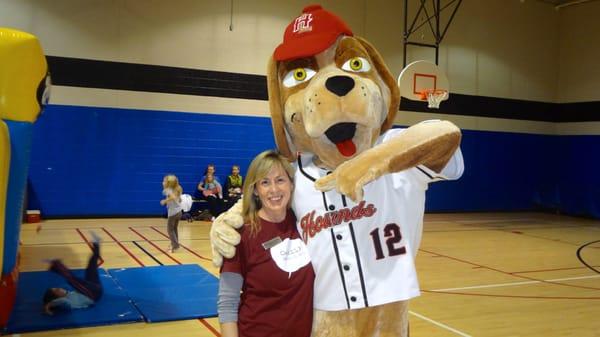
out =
column 303, row 23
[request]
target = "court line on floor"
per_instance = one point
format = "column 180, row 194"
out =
column 89, row 245
column 209, row 327
column 506, row 273
column 546, row 270
column 441, row 325
column 184, row 247
column 510, row 284
column 148, row 253
column 155, row 246
column 124, row 248
column 506, row 229
column 514, row 296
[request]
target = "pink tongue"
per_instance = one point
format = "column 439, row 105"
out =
column 346, row 147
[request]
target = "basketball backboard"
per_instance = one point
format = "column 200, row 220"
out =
column 422, row 78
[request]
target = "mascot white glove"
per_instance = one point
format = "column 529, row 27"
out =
column 223, row 234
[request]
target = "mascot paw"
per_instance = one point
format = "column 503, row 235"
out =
column 223, row 234
column 349, row 178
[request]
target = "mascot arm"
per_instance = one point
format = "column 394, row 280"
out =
column 223, row 234
column 430, row 143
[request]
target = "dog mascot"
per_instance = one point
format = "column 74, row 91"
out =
column 359, row 186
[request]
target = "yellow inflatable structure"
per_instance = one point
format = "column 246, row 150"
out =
column 23, row 92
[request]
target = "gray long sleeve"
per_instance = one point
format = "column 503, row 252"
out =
column 228, row 303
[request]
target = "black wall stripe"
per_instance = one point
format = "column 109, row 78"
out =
column 86, row 73
column 142, row 77
column 482, row 106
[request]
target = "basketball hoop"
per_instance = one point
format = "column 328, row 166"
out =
column 434, row 97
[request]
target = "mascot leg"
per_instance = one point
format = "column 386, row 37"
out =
column 388, row 320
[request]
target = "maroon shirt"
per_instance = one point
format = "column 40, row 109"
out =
column 272, row 303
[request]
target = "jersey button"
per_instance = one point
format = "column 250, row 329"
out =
column 331, row 207
column 339, row 236
column 346, row 267
column 353, row 299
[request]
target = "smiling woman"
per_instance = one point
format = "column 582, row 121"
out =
column 271, row 264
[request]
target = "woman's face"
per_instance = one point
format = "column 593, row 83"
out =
column 210, row 170
column 274, row 190
column 235, row 170
column 164, row 182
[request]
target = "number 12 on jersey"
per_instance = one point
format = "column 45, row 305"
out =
column 392, row 236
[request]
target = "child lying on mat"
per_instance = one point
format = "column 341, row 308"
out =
column 87, row 291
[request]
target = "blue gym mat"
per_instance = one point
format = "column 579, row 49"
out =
column 27, row 315
column 167, row 293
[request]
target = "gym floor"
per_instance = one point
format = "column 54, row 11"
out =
column 481, row 274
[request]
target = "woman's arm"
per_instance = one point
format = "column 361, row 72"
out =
column 229, row 329
column 228, row 304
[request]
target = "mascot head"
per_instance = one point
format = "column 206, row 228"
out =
column 329, row 92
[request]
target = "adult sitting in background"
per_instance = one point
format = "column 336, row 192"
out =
column 210, row 169
column 234, row 186
column 212, row 192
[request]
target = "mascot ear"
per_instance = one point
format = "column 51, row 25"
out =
column 388, row 79
column 277, row 117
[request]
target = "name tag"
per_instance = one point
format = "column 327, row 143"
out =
column 290, row 255
column 271, row 243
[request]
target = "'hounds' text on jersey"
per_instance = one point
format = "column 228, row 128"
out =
column 311, row 225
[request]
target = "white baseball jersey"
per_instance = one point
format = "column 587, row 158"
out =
column 363, row 254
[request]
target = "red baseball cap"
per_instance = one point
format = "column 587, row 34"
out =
column 309, row 34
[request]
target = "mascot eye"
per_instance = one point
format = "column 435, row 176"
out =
column 297, row 76
column 357, row 64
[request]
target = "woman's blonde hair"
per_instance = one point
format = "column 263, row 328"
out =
column 260, row 168
column 173, row 183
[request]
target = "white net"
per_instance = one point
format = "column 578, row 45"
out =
column 435, row 97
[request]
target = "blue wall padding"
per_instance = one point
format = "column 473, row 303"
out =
column 168, row 293
column 579, row 182
column 503, row 172
column 20, row 147
column 113, row 161
column 27, row 315
column 99, row 161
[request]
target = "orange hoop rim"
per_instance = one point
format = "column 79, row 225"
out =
column 423, row 94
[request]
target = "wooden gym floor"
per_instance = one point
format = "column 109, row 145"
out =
column 481, row 274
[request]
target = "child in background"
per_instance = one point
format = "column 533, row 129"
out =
column 234, row 187
column 87, row 290
column 210, row 170
column 234, row 184
column 212, row 192
column 172, row 192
